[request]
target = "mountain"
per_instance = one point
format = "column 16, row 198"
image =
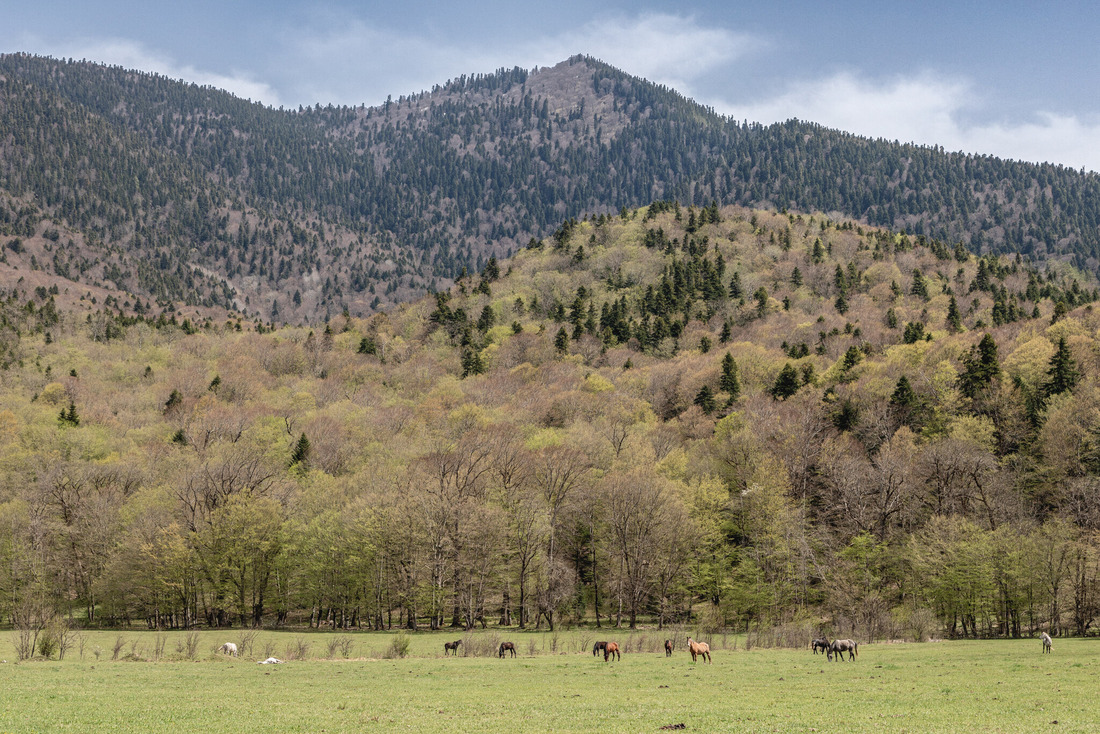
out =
column 167, row 193
column 706, row 416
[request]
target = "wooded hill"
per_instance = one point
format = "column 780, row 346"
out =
column 168, row 193
column 734, row 416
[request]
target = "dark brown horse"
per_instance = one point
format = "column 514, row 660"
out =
column 612, row 651
column 449, row 647
column 599, row 647
column 820, row 643
column 668, row 648
column 699, row 649
column 509, row 646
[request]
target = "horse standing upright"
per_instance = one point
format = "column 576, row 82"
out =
column 599, row 647
column 612, row 651
column 1048, row 643
column 820, row 644
column 509, row 647
column 668, row 648
column 449, row 647
column 699, row 648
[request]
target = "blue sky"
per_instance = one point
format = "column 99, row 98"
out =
column 1013, row 79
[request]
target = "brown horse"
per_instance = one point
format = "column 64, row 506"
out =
column 612, row 651
column 668, row 648
column 509, row 646
column 448, row 647
column 599, row 647
column 699, row 648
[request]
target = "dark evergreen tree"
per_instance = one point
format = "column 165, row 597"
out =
column 786, row 384
column 1063, row 372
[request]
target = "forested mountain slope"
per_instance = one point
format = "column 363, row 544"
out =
column 742, row 417
column 182, row 194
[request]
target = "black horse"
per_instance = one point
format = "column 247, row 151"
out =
column 820, row 644
column 449, row 647
column 508, row 646
column 599, row 647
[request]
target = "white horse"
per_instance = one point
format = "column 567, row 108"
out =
column 1047, row 642
column 229, row 648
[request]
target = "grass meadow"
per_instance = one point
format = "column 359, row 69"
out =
column 148, row 682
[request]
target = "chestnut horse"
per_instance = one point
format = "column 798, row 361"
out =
column 598, row 647
column 699, row 648
column 451, row 646
column 668, row 648
column 509, row 646
column 612, row 651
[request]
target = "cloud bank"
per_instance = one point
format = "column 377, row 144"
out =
column 927, row 110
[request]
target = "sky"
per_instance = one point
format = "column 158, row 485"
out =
column 1013, row 79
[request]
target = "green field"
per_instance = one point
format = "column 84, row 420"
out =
column 1001, row 686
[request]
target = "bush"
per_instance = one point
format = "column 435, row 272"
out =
column 399, row 646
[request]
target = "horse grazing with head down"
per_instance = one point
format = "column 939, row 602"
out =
column 509, row 647
column 599, row 647
column 449, row 647
column 612, row 651
column 229, row 648
column 1047, row 642
column 820, row 643
column 699, row 648
column 668, row 648
column 839, row 647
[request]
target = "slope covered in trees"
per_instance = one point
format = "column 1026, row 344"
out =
column 742, row 417
column 185, row 194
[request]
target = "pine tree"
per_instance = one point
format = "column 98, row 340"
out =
column 919, row 287
column 705, row 399
column 980, row 367
column 1063, row 371
column 729, row 382
column 954, row 318
column 300, row 455
column 561, row 341
column 786, row 384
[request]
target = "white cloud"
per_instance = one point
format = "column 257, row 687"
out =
column 134, row 55
column 350, row 62
column 927, row 110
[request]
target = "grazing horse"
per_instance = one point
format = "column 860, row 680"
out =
column 820, row 643
column 229, row 648
column 839, row 647
column 599, row 647
column 699, row 648
column 448, row 647
column 509, row 646
column 612, row 651
column 1047, row 642
column 668, row 648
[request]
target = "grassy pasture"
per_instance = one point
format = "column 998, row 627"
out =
column 998, row 686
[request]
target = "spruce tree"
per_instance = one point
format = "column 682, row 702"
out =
column 786, row 384
column 1063, row 371
column 729, row 382
column 300, row 455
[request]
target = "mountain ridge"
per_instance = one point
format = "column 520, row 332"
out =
column 285, row 215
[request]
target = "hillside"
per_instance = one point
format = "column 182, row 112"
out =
column 176, row 194
column 740, row 416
